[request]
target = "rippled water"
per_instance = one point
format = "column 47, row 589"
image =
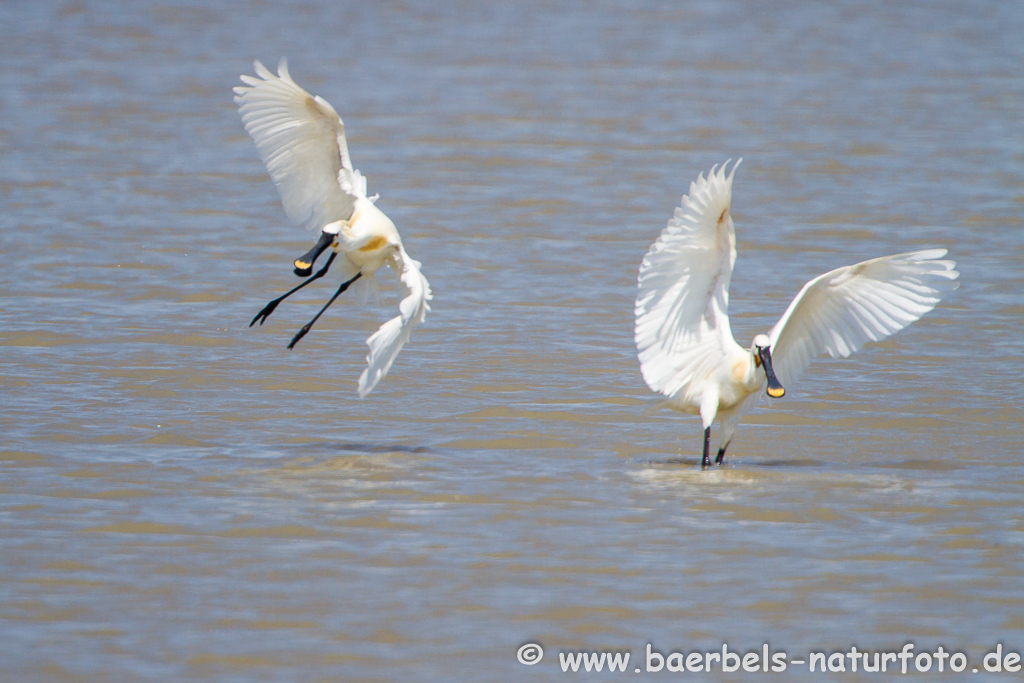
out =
column 185, row 499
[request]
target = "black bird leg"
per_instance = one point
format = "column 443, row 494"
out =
column 307, row 326
column 721, row 453
column 706, row 461
column 269, row 308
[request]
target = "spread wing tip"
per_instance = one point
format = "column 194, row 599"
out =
column 387, row 341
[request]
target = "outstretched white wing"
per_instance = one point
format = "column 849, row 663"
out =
column 682, row 307
column 386, row 342
column 840, row 311
column 301, row 139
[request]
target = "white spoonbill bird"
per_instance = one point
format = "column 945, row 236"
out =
column 686, row 348
column 301, row 139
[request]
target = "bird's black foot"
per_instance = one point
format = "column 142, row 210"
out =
column 721, row 452
column 300, row 334
column 265, row 313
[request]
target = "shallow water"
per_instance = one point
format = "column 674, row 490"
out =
column 185, row 499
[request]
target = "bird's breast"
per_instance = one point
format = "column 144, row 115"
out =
column 374, row 244
column 738, row 384
column 369, row 237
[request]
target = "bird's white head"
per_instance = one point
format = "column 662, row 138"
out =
column 762, row 341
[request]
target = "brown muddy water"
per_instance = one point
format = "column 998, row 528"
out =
column 184, row 499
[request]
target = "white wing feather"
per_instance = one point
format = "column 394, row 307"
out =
column 386, row 342
column 840, row 311
column 301, row 139
column 682, row 307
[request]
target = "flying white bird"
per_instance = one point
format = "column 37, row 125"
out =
column 301, row 139
column 686, row 348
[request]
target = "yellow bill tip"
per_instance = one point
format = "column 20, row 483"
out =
column 776, row 392
column 303, row 265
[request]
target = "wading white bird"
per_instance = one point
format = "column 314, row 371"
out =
column 686, row 348
column 301, row 139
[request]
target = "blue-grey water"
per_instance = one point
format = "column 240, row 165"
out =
column 182, row 498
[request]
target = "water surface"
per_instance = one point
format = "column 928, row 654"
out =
column 185, row 499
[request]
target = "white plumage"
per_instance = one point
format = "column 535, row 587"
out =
column 845, row 308
column 686, row 348
column 301, row 139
